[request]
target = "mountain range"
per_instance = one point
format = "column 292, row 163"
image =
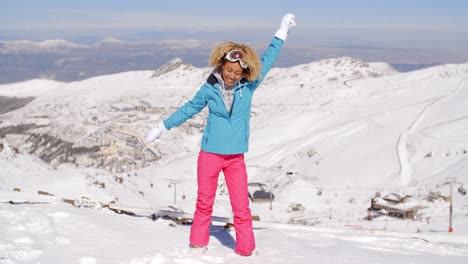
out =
column 64, row 60
column 326, row 138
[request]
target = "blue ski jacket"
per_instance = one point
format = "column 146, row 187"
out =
column 226, row 132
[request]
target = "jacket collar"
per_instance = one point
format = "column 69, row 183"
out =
column 213, row 80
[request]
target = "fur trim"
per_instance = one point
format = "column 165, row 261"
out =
column 251, row 58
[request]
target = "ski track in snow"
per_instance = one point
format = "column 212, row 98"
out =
column 402, row 152
column 402, row 145
column 455, row 120
column 339, row 130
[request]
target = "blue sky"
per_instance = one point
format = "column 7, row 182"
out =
column 447, row 15
column 438, row 29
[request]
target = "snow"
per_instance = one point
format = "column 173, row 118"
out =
column 177, row 44
column 57, row 233
column 110, row 41
column 60, row 45
column 29, row 88
column 327, row 135
column 28, row 46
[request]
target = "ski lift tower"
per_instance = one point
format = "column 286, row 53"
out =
column 451, row 181
column 174, row 182
column 270, row 181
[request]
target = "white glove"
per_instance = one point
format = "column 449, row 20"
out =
column 286, row 24
column 156, row 132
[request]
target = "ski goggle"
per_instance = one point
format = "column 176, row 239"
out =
column 236, row 55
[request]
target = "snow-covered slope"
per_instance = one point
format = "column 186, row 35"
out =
column 328, row 136
column 57, row 233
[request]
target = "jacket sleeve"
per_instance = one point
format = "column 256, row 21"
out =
column 186, row 111
column 268, row 59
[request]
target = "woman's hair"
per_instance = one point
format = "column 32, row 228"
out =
column 250, row 58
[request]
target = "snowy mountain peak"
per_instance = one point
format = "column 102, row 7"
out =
column 350, row 63
column 343, row 62
column 27, row 46
column 102, row 114
column 110, row 41
column 58, row 43
column 336, row 70
column 169, row 66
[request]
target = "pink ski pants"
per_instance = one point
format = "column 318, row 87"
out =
column 235, row 173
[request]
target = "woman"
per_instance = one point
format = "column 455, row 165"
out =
column 237, row 73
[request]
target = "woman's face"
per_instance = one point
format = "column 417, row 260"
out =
column 231, row 72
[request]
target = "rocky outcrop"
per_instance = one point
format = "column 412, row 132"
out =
column 17, row 129
column 54, row 150
column 8, row 104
